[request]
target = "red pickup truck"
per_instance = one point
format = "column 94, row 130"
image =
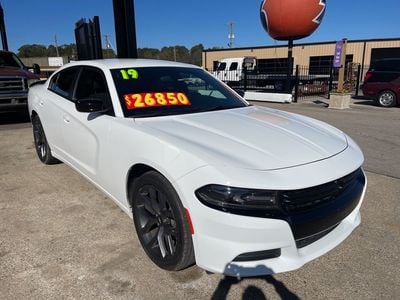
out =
column 15, row 79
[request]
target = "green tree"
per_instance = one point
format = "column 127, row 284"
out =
column 67, row 50
column 33, row 50
column 51, row 51
column 149, row 53
column 175, row 53
column 196, row 53
column 109, row 53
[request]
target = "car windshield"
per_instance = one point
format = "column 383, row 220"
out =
column 221, row 66
column 10, row 60
column 160, row 91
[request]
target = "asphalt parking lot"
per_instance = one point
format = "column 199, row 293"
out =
column 62, row 238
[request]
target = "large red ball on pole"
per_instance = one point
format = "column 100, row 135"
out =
column 291, row 19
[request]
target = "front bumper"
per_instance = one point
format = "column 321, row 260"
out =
column 217, row 251
column 219, row 237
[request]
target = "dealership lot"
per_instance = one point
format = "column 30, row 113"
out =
column 62, row 238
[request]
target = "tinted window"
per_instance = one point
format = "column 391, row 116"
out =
column 63, row 82
column 157, row 91
column 92, row 85
column 10, row 60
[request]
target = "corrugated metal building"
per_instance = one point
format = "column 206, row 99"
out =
column 312, row 55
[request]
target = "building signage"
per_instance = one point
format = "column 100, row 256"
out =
column 56, row 61
column 337, row 57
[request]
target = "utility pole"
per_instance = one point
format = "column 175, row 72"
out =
column 108, row 43
column 231, row 35
column 175, row 53
column 56, row 45
column 3, row 29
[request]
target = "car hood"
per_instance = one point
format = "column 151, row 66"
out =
column 250, row 137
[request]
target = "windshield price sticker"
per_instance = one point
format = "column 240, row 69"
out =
column 129, row 74
column 143, row 100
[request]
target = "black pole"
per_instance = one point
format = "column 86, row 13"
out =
column 331, row 70
column 290, row 67
column 3, row 29
column 296, row 87
column 358, row 79
column 96, row 38
column 245, row 78
column 125, row 28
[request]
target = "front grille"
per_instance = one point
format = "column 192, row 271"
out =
column 298, row 201
column 303, row 242
column 12, row 84
column 313, row 211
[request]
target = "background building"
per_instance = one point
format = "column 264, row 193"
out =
column 315, row 56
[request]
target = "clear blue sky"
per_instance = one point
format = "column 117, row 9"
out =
column 184, row 22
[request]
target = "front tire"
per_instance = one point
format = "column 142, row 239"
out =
column 160, row 222
column 41, row 145
column 387, row 98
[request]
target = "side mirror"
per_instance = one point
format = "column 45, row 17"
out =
column 90, row 105
column 36, row 69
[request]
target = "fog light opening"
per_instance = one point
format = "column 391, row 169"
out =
column 258, row 255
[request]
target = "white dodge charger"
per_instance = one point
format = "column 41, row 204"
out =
column 207, row 177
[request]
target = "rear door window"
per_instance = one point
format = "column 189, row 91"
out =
column 64, row 82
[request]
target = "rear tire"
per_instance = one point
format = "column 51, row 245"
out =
column 387, row 98
column 160, row 222
column 41, row 145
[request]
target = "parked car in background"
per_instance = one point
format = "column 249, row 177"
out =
column 207, row 177
column 15, row 79
column 382, row 82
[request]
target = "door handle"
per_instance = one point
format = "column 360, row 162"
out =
column 41, row 103
column 66, row 119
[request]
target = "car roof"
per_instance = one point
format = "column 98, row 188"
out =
column 115, row 63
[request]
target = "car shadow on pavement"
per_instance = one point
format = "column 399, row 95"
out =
column 362, row 100
column 251, row 291
column 14, row 117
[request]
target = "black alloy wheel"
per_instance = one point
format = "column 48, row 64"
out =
column 42, row 147
column 160, row 222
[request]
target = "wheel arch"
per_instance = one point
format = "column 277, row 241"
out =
column 135, row 172
column 386, row 89
column 33, row 114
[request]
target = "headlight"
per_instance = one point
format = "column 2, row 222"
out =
column 239, row 200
